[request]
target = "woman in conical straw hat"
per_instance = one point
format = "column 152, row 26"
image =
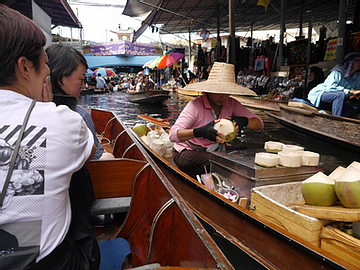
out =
column 193, row 132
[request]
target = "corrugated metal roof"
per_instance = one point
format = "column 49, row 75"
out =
column 59, row 11
column 177, row 16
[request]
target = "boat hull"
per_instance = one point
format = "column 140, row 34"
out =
column 258, row 103
column 159, row 226
column 148, row 97
column 264, row 244
column 334, row 129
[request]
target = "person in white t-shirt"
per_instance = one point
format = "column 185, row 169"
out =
column 37, row 228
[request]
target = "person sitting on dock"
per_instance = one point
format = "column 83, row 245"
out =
column 193, row 132
column 42, row 146
column 340, row 86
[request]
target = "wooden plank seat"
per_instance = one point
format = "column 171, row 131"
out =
column 113, row 186
column 109, row 206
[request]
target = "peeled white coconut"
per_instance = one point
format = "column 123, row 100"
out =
column 140, row 129
column 310, row 158
column 335, row 174
column 347, row 188
column 226, row 127
column 158, row 146
column 355, row 164
column 319, row 190
column 287, row 148
column 266, row 159
column 290, row 159
column 273, row 147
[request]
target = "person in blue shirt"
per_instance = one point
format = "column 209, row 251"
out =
column 342, row 84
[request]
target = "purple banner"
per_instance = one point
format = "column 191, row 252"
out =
column 122, row 48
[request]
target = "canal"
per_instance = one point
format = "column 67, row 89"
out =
column 331, row 155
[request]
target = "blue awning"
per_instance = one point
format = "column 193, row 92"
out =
column 117, row 60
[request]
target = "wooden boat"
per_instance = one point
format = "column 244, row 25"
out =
column 87, row 91
column 159, row 226
column 259, row 103
column 247, row 240
column 148, row 97
column 340, row 130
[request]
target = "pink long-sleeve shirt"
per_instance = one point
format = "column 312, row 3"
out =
column 198, row 113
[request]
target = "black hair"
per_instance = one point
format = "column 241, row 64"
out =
column 63, row 61
column 19, row 36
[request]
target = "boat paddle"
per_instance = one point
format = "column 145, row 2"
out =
column 155, row 121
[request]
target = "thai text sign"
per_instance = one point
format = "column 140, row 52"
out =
column 331, row 50
column 122, row 47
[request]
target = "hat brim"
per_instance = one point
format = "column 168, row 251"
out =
column 220, row 88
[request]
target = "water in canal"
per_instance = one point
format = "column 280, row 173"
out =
column 331, row 155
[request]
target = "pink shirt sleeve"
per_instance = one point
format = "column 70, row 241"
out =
column 198, row 113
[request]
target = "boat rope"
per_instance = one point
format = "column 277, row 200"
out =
column 155, row 220
column 101, row 135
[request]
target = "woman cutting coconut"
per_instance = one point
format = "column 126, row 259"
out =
column 194, row 134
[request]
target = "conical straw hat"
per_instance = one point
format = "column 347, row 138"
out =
column 221, row 81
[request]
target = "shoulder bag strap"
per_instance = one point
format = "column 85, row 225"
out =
column 13, row 158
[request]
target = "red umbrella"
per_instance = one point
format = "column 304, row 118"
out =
column 170, row 58
column 105, row 72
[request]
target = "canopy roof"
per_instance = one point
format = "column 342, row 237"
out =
column 59, row 11
column 199, row 14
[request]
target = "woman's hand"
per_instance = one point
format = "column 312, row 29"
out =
column 46, row 92
column 355, row 94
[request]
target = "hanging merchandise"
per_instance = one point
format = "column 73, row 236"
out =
column 263, row 3
column 205, row 34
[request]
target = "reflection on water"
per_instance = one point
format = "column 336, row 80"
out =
column 331, row 155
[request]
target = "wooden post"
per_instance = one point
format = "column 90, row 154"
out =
column 280, row 59
column 341, row 39
column 232, row 32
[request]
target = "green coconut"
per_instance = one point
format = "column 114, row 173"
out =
column 335, row 174
column 319, row 190
column 140, row 129
column 347, row 188
column 355, row 164
column 226, row 127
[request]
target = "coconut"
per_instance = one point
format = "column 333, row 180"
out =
column 290, row 159
column 266, row 159
column 319, row 190
column 335, row 174
column 140, row 129
column 347, row 188
column 355, row 164
column 310, row 158
column 287, row 148
column 273, row 147
column 226, row 127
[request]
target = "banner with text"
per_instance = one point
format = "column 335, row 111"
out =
column 122, row 48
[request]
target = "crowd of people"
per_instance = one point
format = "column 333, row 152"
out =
column 132, row 83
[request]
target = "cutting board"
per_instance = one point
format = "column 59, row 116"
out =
column 336, row 212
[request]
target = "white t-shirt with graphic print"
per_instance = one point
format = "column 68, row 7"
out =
column 36, row 212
